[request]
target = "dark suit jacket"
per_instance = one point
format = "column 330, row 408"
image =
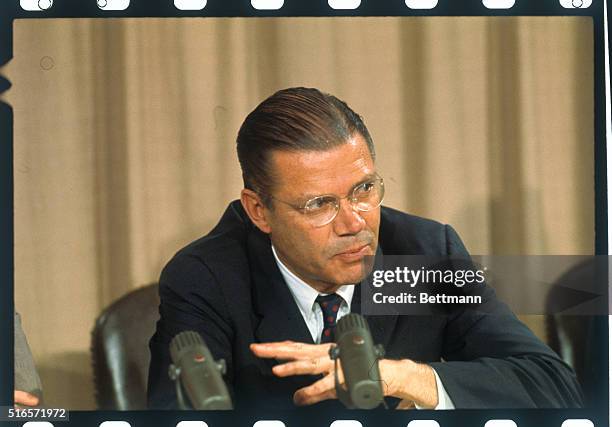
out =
column 227, row 286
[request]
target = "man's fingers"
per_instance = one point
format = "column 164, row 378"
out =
column 304, row 359
column 290, row 350
column 319, row 365
column 284, row 350
column 321, row 390
column 26, row 399
column 311, row 400
column 405, row 404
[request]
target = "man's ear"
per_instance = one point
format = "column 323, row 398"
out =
column 255, row 209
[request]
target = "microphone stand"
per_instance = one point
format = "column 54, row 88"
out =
column 175, row 375
column 341, row 392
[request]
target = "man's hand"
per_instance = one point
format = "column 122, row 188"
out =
column 405, row 379
column 303, row 359
column 25, row 399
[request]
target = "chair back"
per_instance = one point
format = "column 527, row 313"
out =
column 120, row 349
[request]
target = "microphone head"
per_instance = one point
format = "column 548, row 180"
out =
column 186, row 342
column 350, row 323
column 200, row 374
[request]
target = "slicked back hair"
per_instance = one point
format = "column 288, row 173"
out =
column 294, row 119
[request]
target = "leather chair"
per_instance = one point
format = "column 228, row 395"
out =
column 120, row 349
column 581, row 340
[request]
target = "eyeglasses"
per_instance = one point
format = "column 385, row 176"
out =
column 322, row 210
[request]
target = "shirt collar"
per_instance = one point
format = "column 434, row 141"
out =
column 304, row 294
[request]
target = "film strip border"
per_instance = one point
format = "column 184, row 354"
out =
column 455, row 418
column 107, row 5
column 122, row 8
column 36, row 9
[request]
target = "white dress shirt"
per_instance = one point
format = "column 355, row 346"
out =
column 305, row 296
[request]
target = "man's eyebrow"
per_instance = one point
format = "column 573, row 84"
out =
column 308, row 196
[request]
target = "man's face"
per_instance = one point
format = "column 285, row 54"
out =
column 331, row 255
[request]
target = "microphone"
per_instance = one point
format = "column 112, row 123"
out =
column 359, row 359
column 194, row 367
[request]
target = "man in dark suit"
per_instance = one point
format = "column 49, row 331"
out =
column 267, row 285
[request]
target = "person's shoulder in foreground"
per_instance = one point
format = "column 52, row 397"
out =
column 309, row 213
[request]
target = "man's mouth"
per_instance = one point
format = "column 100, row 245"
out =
column 355, row 253
column 353, row 250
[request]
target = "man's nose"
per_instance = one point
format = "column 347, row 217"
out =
column 348, row 221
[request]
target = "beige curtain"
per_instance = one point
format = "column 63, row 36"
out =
column 124, row 143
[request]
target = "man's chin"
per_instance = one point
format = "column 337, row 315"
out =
column 351, row 275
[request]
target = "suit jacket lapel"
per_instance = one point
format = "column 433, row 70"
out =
column 279, row 317
column 381, row 327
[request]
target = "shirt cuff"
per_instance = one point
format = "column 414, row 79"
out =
column 444, row 400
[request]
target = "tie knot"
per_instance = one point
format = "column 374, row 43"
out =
column 330, row 300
